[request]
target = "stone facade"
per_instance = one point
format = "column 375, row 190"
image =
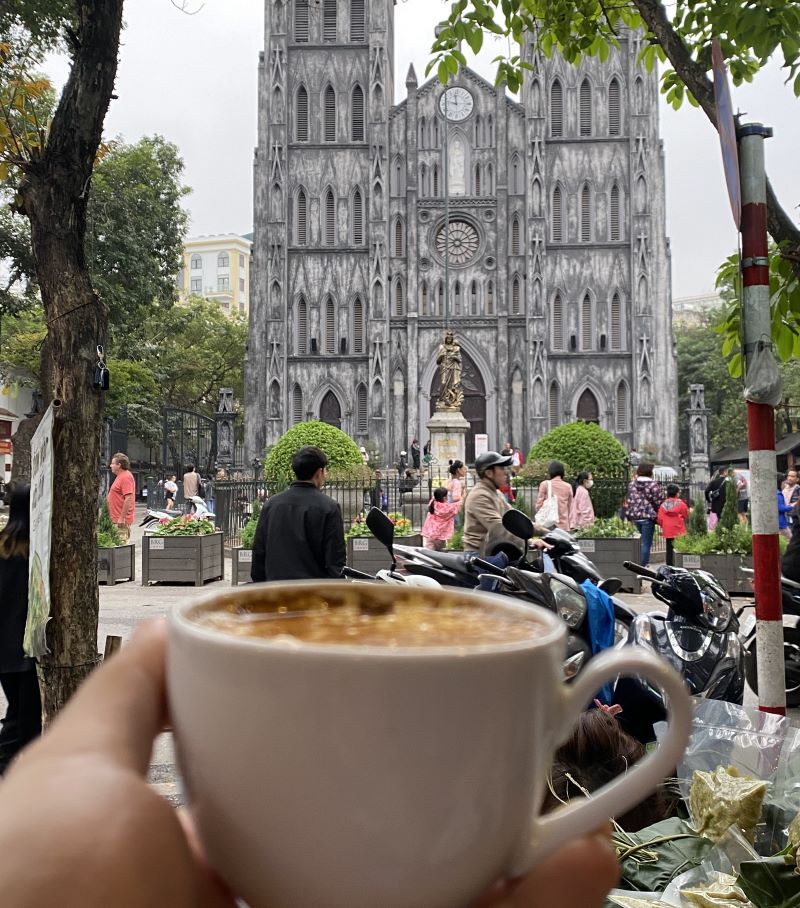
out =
column 559, row 272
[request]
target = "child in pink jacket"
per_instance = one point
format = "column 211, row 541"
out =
column 439, row 525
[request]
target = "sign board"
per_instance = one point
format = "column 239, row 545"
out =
column 245, row 555
column 727, row 132
column 361, row 545
column 481, row 444
column 692, row 562
column 587, row 545
column 34, row 642
column 156, row 545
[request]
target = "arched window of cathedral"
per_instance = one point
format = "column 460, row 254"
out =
column 586, row 213
column 616, row 322
column 399, row 298
column 223, row 260
column 477, row 179
column 516, row 297
column 358, row 20
column 301, row 21
column 361, row 409
column 588, row 409
column 473, row 299
column 457, row 299
column 644, row 298
column 435, row 180
column 357, row 114
column 435, row 133
column 638, row 94
column 557, row 216
column 359, row 344
column 489, row 179
column 615, row 234
column 478, row 125
column 274, row 399
column 557, row 324
column 536, row 197
column 587, row 323
column 297, row 404
column 330, row 219
column 301, row 219
column 489, row 131
column 302, row 327
column 397, row 177
column 357, row 218
column 399, row 239
column 641, row 195
column 586, row 108
column 490, row 297
column 614, row 108
column 424, row 190
column 556, row 109
column 439, row 299
column 329, row 20
column 554, row 405
column 516, row 242
column 516, row 175
column 423, row 298
column 301, row 114
column 330, row 326
column 622, row 408
column 422, row 127
column 330, row 114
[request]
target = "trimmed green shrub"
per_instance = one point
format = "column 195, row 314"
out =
column 249, row 529
column 728, row 519
column 582, row 445
column 107, row 533
column 697, row 524
column 344, row 458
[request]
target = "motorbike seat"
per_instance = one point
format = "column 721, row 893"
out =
column 451, row 561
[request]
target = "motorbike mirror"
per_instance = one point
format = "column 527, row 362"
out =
column 518, row 524
column 382, row 529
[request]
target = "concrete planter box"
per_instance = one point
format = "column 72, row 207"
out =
column 608, row 555
column 116, row 564
column 365, row 553
column 241, row 559
column 182, row 559
column 724, row 567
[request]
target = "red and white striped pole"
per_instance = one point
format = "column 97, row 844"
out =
column 757, row 332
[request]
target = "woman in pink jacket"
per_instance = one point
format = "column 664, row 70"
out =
column 581, row 512
column 439, row 525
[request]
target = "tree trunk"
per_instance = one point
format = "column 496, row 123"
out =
column 54, row 195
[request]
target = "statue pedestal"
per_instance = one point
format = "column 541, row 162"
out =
column 448, row 431
column 699, row 470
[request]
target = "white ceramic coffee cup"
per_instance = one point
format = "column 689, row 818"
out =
column 341, row 776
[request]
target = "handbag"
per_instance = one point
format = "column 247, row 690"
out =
column 547, row 515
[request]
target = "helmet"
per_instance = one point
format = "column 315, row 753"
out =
column 490, row 459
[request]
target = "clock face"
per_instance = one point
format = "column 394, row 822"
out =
column 456, row 104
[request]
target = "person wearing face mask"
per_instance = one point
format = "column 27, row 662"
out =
column 581, row 512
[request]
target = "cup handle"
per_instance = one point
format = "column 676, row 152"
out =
column 585, row 814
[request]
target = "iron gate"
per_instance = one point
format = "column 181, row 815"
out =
column 188, row 437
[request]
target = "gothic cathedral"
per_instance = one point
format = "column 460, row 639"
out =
column 556, row 255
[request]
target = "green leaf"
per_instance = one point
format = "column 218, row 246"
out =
column 735, row 365
column 770, row 883
column 442, row 72
column 785, row 344
column 475, row 40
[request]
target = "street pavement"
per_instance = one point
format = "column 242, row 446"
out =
column 126, row 605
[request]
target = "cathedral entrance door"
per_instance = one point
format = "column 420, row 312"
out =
column 588, row 408
column 474, row 406
column 330, row 410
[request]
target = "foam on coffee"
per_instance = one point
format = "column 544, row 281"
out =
column 354, row 617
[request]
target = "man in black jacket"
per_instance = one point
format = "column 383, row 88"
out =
column 300, row 533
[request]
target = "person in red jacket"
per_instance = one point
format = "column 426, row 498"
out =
column 672, row 519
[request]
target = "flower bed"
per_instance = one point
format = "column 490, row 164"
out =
column 607, row 543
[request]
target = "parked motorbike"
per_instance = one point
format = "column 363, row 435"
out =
column 153, row 516
column 698, row 636
column 790, row 600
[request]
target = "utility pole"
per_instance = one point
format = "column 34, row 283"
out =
column 757, row 344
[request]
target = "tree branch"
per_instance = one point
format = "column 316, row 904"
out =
column 781, row 226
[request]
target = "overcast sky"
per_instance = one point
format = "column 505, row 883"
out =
column 192, row 79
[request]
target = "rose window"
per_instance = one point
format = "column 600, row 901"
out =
column 462, row 242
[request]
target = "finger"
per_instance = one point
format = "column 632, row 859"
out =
column 215, row 892
column 120, row 709
column 554, row 882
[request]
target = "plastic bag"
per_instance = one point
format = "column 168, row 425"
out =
column 763, row 382
column 761, row 745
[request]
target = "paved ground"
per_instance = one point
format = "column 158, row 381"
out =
column 125, row 605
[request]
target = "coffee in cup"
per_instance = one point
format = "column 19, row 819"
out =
column 359, row 745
